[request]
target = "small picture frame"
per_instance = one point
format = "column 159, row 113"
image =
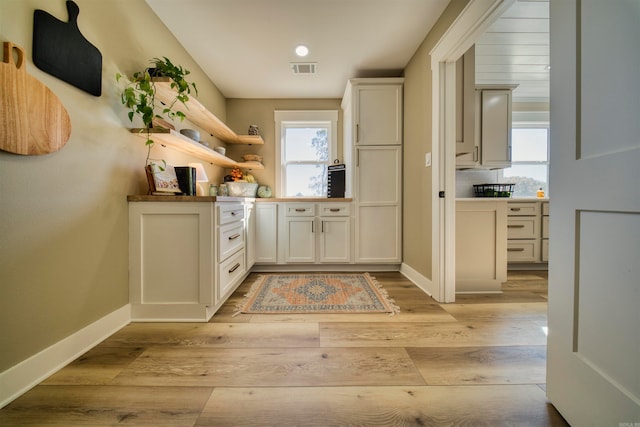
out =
column 162, row 180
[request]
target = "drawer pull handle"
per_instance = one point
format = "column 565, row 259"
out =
column 515, row 209
column 234, row 213
column 234, row 268
column 301, row 210
column 515, row 226
column 515, row 249
column 334, row 210
column 234, row 237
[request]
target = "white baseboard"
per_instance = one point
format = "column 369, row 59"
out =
column 418, row 279
column 28, row 373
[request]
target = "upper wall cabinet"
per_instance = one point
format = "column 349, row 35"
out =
column 492, row 129
column 465, row 103
column 377, row 114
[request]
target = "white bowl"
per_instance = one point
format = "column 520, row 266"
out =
column 191, row 133
column 220, row 150
column 242, row 189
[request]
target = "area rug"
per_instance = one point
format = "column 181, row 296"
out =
column 316, row 293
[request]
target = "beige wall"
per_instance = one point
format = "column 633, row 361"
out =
column 244, row 112
column 63, row 216
column 417, row 207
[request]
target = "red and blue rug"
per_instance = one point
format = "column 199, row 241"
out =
column 316, row 293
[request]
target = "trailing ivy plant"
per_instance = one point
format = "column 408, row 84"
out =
column 139, row 95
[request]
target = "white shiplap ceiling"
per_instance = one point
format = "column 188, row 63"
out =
column 515, row 50
column 247, row 46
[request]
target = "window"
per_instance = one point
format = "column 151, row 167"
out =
column 529, row 160
column 307, row 141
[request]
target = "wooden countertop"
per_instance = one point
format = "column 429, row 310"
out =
column 209, row 199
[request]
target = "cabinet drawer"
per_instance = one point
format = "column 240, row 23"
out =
column 523, row 228
column 523, row 250
column 230, row 239
column 229, row 213
column 545, row 208
column 545, row 250
column 300, row 209
column 229, row 273
column 332, row 209
column 523, row 209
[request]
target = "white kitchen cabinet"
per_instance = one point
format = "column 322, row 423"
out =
column 481, row 245
column 545, row 232
column 317, row 233
column 372, row 112
column 250, row 234
column 266, row 233
column 172, row 261
column 231, row 248
column 378, row 219
column 465, row 104
column 492, row 130
column 185, row 257
column 526, row 232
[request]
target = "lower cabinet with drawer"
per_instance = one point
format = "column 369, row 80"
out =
column 231, row 267
column 185, row 258
column 316, row 233
column 525, row 229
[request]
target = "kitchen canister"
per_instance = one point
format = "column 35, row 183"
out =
column 213, row 190
column 223, row 190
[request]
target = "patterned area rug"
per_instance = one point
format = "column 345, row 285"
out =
column 317, row 293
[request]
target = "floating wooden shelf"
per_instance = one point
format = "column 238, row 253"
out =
column 200, row 116
column 176, row 140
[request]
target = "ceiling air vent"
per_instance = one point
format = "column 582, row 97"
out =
column 303, row 67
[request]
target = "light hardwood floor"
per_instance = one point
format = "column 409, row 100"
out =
column 479, row 362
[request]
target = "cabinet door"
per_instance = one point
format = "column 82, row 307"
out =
column 378, row 175
column 300, row 239
column 465, row 104
column 496, row 128
column 266, row 233
column 335, row 238
column 378, row 115
column 378, row 228
column 250, row 238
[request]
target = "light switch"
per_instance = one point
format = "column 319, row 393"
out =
column 427, row 159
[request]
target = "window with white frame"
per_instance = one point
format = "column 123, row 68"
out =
column 529, row 160
column 306, row 147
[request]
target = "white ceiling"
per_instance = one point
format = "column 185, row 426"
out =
column 515, row 50
column 247, row 46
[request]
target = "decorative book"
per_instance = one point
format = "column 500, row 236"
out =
column 162, row 180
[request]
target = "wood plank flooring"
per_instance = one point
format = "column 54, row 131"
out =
column 479, row 362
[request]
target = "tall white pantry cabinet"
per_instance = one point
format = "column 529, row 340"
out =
column 372, row 115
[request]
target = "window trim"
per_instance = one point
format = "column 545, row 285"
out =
column 282, row 117
column 533, row 125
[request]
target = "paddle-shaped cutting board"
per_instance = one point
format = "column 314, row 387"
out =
column 60, row 49
column 32, row 118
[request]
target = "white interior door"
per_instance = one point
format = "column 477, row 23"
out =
column 593, row 374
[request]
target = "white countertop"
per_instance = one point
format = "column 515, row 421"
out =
column 500, row 199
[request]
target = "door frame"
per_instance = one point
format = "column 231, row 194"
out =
column 472, row 22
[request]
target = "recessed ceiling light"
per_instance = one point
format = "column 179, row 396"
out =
column 302, row 50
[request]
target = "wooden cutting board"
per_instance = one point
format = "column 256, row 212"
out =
column 32, row 118
column 60, row 49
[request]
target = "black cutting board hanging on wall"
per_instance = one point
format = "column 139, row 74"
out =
column 60, row 49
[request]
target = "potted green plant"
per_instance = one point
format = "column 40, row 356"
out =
column 139, row 95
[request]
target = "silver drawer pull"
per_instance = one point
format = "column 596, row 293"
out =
column 233, row 213
column 234, row 268
column 234, row 237
column 334, row 210
column 515, row 226
column 301, row 210
column 515, row 209
column 515, row 249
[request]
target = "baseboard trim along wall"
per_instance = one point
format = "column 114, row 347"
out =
column 418, row 279
column 20, row 378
